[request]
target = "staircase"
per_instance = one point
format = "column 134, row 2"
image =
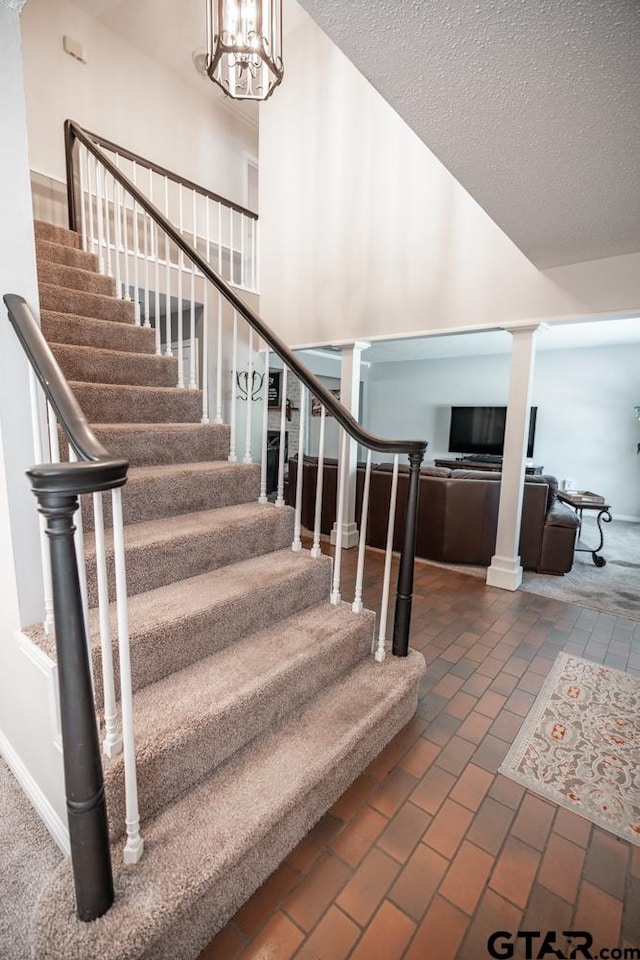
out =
column 256, row 700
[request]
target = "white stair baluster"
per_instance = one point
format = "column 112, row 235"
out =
column 118, row 239
column 112, row 743
column 99, row 212
column 231, row 263
column 296, row 546
column 233, row 395
column 357, row 605
column 125, row 236
column 283, row 434
column 248, row 413
column 337, row 558
column 168, row 350
column 107, row 221
column 83, row 217
column 54, row 445
column 146, row 226
column 192, row 316
column 180, row 269
column 41, row 457
column 219, row 418
column 316, row 552
column 381, row 647
column 156, row 307
column 91, row 164
column 136, row 250
column 242, row 270
column 206, row 360
column 82, row 569
column 134, row 845
column 253, row 253
column 265, row 429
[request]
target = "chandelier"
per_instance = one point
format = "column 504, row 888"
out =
column 244, row 47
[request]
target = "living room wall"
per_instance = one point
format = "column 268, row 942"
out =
column 127, row 96
column 586, row 430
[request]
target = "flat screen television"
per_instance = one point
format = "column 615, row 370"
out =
column 481, row 430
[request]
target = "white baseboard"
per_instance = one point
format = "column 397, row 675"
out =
column 58, row 830
column 618, row 516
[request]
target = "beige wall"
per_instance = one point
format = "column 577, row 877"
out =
column 126, row 96
column 365, row 233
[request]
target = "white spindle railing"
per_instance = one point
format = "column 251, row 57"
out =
column 112, row 743
column 234, row 409
column 228, row 239
column 297, row 529
column 283, row 439
column 265, row 428
column 337, row 558
column 116, row 736
column 357, row 605
column 134, row 844
column 381, row 647
column 316, row 551
column 41, row 457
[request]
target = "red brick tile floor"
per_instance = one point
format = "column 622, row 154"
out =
column 430, row 850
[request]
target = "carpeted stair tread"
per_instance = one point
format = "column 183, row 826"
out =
column 92, row 364
column 59, row 253
column 211, row 849
column 146, row 444
column 123, row 403
column 192, row 721
column 53, row 297
column 165, row 551
column 47, row 231
column 75, row 278
column 176, row 625
column 61, row 327
column 169, row 489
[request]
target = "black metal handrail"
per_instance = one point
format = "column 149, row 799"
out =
column 57, row 487
column 317, row 388
column 414, row 449
column 169, row 174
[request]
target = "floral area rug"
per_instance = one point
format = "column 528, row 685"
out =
column 580, row 745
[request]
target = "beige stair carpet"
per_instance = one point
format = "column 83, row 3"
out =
column 256, row 700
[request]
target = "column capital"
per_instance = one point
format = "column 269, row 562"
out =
column 524, row 328
column 15, row 5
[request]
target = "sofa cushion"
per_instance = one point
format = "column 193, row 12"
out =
column 476, row 475
column 435, row 472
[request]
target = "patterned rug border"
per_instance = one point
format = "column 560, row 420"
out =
column 523, row 737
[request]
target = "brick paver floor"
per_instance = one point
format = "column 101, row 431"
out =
column 430, row 850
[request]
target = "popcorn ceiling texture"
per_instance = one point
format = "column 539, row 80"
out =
column 533, row 107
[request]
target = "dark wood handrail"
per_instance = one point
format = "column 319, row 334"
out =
column 169, row 174
column 340, row 413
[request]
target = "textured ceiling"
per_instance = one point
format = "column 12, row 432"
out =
column 533, row 105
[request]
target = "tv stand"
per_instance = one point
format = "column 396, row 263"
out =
column 467, row 463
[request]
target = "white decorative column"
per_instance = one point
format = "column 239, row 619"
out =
column 350, row 397
column 506, row 570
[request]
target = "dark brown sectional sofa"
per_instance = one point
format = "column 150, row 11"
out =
column 457, row 516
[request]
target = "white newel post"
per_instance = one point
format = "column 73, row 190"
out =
column 506, row 570
column 350, row 397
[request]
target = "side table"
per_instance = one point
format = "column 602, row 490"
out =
column 581, row 500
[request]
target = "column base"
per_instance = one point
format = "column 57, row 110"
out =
column 505, row 573
column 350, row 535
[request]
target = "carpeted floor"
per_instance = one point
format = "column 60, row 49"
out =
column 28, row 856
column 578, row 746
column 614, row 588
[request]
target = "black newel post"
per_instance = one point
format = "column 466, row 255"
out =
column 84, row 786
column 402, row 619
column 69, row 143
